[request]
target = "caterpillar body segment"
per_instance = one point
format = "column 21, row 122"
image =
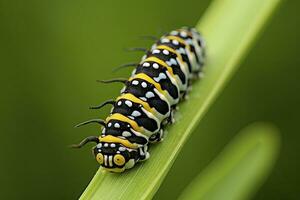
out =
column 147, row 92
column 180, row 47
column 171, row 59
column 139, row 114
column 162, row 77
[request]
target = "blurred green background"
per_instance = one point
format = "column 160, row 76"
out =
column 53, row 51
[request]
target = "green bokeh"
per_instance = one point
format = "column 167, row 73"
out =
column 53, row 51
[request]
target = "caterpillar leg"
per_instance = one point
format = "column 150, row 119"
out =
column 171, row 119
column 196, row 75
column 185, row 94
column 158, row 137
column 144, row 154
column 200, row 75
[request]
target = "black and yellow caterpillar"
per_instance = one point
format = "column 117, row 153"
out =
column 147, row 101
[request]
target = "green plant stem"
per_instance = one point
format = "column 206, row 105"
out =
column 240, row 169
column 230, row 27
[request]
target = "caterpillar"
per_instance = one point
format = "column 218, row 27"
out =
column 148, row 100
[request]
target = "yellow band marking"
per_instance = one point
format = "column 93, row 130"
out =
column 150, row 80
column 180, row 40
column 173, row 37
column 113, row 139
column 171, row 50
column 120, row 117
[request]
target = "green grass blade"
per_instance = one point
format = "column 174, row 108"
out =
column 230, row 27
column 240, row 169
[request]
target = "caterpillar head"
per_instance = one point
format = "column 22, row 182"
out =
column 115, row 157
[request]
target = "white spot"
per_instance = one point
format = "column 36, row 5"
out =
column 126, row 134
column 143, row 98
column 136, row 113
column 109, row 124
column 117, row 125
column 160, row 77
column 182, row 51
column 165, row 40
column 103, row 130
column 105, row 144
column 156, row 51
column 144, row 84
column 150, row 95
column 155, row 66
column 135, row 82
column 112, row 145
column 122, row 148
column 174, row 32
column 99, row 145
column 119, row 103
column 166, row 52
column 130, row 117
column 146, row 64
column 128, row 103
column 171, row 62
column 183, row 34
column 175, row 42
column 189, row 41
